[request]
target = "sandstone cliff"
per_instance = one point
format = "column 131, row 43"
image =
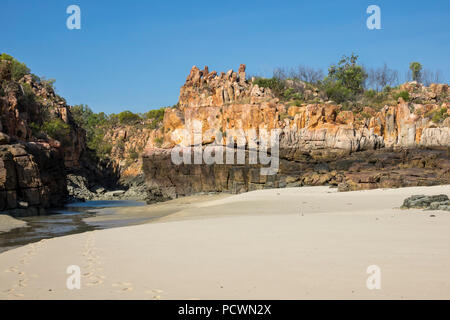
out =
column 32, row 163
column 320, row 143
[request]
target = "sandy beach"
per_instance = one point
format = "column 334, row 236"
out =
column 294, row 243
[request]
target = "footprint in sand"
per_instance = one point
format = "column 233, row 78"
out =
column 92, row 273
column 23, row 283
column 94, row 283
column 156, row 293
column 22, row 278
column 127, row 289
column 123, row 286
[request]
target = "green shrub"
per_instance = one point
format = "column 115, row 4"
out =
column 156, row 116
column 285, row 116
column 134, row 155
column 337, row 92
column 402, row 94
column 28, row 98
column 370, row 94
column 100, row 148
column 276, row 85
column 158, row 141
column 366, row 115
column 49, row 84
column 438, row 116
column 57, row 129
column 387, row 89
column 128, row 117
column 416, row 71
column 18, row 69
column 296, row 102
column 348, row 74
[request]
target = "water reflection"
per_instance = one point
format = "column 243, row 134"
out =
column 62, row 222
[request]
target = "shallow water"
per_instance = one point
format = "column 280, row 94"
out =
column 61, row 222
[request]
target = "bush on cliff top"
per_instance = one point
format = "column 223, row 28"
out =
column 345, row 80
column 348, row 83
column 128, row 117
column 402, row 94
column 97, row 125
column 276, row 85
column 155, row 116
column 18, row 69
column 438, row 116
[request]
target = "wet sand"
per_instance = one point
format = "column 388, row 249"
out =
column 297, row 243
column 59, row 222
column 153, row 212
column 8, row 223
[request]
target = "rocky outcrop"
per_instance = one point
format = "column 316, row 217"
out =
column 32, row 164
column 32, row 178
column 26, row 103
column 438, row 202
column 381, row 168
column 318, row 143
column 229, row 101
column 82, row 188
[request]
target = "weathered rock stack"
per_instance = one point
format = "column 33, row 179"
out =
column 318, row 143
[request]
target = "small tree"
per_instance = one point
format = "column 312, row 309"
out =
column 275, row 84
column 128, row 117
column 57, row 129
column 416, row 71
column 348, row 73
column 345, row 80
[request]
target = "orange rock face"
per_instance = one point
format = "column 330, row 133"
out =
column 229, row 104
column 32, row 166
column 228, row 101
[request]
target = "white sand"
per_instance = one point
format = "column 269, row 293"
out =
column 299, row 243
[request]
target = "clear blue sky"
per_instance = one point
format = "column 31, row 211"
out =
column 136, row 54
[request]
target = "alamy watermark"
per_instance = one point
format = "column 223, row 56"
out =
column 74, row 20
column 74, row 280
column 374, row 280
column 231, row 147
column 374, row 20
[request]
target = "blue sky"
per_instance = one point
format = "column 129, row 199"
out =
column 135, row 55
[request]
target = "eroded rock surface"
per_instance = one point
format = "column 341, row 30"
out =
column 32, row 178
column 399, row 145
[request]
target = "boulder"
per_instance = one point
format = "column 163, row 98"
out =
column 436, row 202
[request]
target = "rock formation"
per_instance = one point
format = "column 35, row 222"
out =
column 438, row 202
column 32, row 177
column 319, row 143
column 32, row 166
